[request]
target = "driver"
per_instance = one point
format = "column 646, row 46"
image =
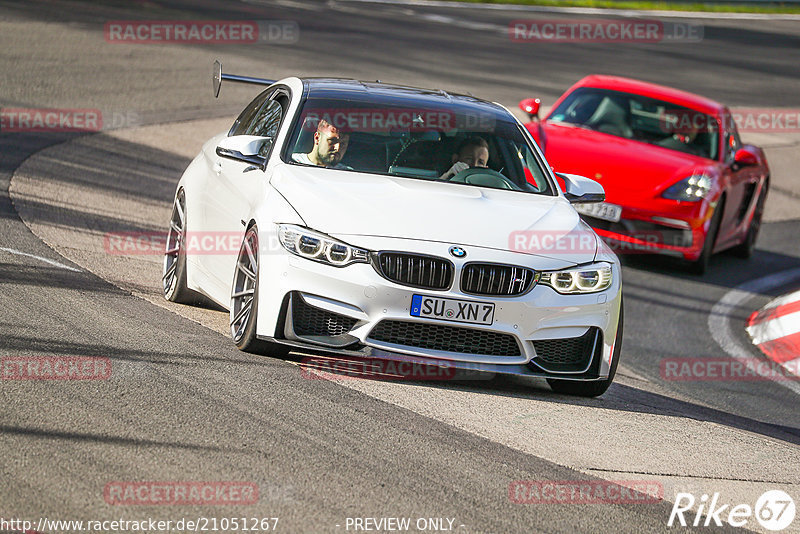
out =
column 330, row 145
column 685, row 139
column 472, row 152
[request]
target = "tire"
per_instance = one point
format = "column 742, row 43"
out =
column 700, row 265
column 746, row 248
column 244, row 300
column 244, row 294
column 173, row 277
column 598, row 387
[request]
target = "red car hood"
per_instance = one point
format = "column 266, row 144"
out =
column 623, row 167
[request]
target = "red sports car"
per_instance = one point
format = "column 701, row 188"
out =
column 678, row 179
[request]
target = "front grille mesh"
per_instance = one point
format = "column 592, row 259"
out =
column 495, row 279
column 309, row 320
column 426, row 272
column 567, row 352
column 445, row 338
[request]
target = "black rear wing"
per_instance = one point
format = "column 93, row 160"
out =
column 218, row 76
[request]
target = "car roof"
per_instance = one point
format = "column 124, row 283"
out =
column 652, row 90
column 393, row 94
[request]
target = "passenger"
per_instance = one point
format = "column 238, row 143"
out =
column 330, row 146
column 472, row 152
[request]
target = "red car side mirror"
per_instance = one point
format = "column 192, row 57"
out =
column 745, row 157
column 531, row 107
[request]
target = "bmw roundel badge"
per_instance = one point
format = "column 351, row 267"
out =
column 458, row 252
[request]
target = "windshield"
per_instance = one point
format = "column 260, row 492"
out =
column 448, row 144
column 640, row 118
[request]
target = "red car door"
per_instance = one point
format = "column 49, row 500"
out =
column 741, row 184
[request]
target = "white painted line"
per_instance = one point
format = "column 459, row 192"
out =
column 585, row 10
column 51, row 262
column 719, row 320
column 462, row 23
column 779, row 327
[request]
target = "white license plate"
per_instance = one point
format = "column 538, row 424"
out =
column 460, row 311
column 600, row 210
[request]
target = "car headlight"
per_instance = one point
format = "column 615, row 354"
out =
column 319, row 247
column 691, row 189
column 586, row 279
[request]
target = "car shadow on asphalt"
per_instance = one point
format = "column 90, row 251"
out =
column 20, row 344
column 97, row 437
column 619, row 397
column 53, row 277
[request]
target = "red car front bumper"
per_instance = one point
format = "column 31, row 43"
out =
column 663, row 227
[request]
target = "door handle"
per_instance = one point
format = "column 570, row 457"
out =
column 217, row 167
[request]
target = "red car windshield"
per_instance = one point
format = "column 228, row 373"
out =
column 640, row 118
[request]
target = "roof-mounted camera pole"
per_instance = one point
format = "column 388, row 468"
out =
column 217, row 77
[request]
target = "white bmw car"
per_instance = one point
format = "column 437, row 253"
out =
column 391, row 222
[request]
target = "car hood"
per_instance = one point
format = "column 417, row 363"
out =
column 621, row 166
column 342, row 203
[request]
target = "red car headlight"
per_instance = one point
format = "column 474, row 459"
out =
column 691, row 189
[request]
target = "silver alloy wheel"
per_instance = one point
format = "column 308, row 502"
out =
column 244, row 284
column 174, row 247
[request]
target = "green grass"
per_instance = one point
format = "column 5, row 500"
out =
column 772, row 7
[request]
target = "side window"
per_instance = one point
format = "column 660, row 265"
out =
column 533, row 172
column 521, row 166
column 246, row 116
column 267, row 121
column 732, row 141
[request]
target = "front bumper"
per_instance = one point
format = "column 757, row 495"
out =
column 357, row 312
column 679, row 229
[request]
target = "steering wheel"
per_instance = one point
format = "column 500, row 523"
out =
column 484, row 177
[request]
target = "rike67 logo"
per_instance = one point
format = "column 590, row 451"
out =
column 774, row 510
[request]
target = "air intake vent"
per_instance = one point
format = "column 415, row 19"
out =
column 312, row 321
column 571, row 354
column 496, row 279
column 415, row 270
column 445, row 338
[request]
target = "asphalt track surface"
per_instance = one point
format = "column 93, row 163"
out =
column 183, row 404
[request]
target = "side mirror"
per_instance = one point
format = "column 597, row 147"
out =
column 582, row 190
column 531, row 107
column 745, row 157
column 251, row 149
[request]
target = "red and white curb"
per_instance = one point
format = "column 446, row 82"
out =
column 775, row 330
